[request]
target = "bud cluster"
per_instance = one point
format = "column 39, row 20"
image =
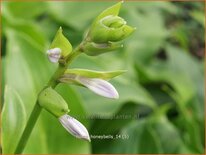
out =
column 104, row 35
column 106, row 32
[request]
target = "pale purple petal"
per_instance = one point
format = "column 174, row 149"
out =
column 74, row 127
column 54, row 54
column 99, row 86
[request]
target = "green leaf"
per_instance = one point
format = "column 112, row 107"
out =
column 13, row 120
column 77, row 21
column 199, row 17
column 60, row 41
column 23, row 57
column 141, row 138
column 17, row 9
column 144, row 136
column 29, row 31
column 95, row 74
column 112, row 125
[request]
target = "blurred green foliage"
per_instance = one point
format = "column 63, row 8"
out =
column 162, row 94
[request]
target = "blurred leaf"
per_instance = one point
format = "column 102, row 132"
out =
column 150, row 34
column 30, row 78
column 199, row 16
column 13, row 120
column 187, row 81
column 60, row 10
column 145, row 137
column 24, row 10
column 165, row 132
column 141, row 139
column 29, row 30
column 112, row 124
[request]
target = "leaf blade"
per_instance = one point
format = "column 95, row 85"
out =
column 13, row 120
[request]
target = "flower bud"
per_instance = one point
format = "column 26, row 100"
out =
column 107, row 30
column 93, row 80
column 54, row 54
column 50, row 100
column 110, row 28
column 74, row 127
column 99, row 86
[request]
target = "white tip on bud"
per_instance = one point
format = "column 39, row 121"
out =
column 74, row 127
column 54, row 54
column 100, row 87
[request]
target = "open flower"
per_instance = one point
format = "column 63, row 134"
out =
column 74, row 127
column 54, row 54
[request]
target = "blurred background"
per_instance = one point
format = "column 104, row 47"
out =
column 161, row 105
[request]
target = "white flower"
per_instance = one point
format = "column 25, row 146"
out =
column 54, row 54
column 74, row 127
column 99, row 86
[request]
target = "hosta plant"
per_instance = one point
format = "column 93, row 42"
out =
column 104, row 35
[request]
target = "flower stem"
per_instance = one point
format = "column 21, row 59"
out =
column 37, row 108
column 29, row 126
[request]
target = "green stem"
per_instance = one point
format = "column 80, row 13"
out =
column 27, row 131
column 37, row 108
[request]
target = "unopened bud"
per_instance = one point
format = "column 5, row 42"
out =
column 93, row 81
column 74, row 127
column 110, row 28
column 50, row 100
column 100, row 87
column 54, row 54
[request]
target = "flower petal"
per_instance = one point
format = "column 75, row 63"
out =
column 99, row 86
column 54, row 54
column 74, row 127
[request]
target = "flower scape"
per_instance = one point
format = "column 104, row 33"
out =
column 105, row 35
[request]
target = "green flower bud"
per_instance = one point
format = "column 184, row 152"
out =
column 106, row 32
column 50, row 100
column 110, row 28
column 93, row 49
column 60, row 41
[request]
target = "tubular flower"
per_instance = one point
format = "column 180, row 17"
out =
column 74, row 127
column 99, row 86
column 93, row 80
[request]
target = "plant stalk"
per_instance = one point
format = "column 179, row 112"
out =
column 28, row 129
column 53, row 82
